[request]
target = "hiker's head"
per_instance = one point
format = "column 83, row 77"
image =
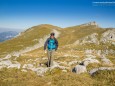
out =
column 52, row 35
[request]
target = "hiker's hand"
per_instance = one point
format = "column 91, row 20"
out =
column 45, row 51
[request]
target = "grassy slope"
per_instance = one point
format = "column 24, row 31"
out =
column 71, row 34
column 56, row 77
column 26, row 39
column 14, row 77
column 68, row 36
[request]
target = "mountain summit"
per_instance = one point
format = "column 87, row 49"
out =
column 90, row 23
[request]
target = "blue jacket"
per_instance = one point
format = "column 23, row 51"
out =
column 54, row 46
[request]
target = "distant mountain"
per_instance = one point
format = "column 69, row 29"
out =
column 7, row 35
column 2, row 29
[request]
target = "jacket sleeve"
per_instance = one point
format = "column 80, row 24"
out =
column 45, row 45
column 56, row 43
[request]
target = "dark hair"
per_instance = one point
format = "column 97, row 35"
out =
column 52, row 34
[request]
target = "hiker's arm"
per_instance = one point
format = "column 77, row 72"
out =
column 56, row 44
column 45, row 45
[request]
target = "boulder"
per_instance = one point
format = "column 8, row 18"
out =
column 28, row 66
column 79, row 69
column 93, row 71
column 106, row 61
column 40, row 71
column 14, row 65
column 8, row 64
column 7, row 57
column 72, row 62
column 87, row 61
column 108, row 36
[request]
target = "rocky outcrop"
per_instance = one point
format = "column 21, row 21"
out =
column 78, row 69
column 108, row 37
column 9, row 64
column 40, row 70
column 90, row 23
column 81, row 68
column 93, row 71
column 100, row 52
column 89, row 60
column 73, row 62
column 88, row 39
column 105, row 60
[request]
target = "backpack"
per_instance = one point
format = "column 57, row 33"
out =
column 51, row 44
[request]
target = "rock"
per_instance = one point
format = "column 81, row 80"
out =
column 72, row 62
column 102, row 56
column 88, row 39
column 7, row 57
column 17, row 54
column 89, row 60
column 1, row 59
column 106, row 61
column 23, row 70
column 28, row 66
column 90, row 56
column 79, row 69
column 8, row 64
column 5, row 63
column 108, row 36
column 14, row 65
column 64, row 62
column 40, row 71
column 112, row 51
column 56, row 65
column 70, row 55
column 1, row 67
column 88, row 51
column 64, row 70
column 90, row 23
column 99, row 52
column 93, row 71
column 49, row 83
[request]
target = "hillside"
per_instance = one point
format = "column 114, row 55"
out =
column 86, row 57
column 26, row 39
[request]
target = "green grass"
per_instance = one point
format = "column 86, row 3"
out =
column 15, row 77
column 104, row 78
column 69, row 36
column 26, row 39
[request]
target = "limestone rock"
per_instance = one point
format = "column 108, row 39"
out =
column 79, row 69
column 9, row 64
column 89, row 60
column 108, row 36
column 88, row 39
column 93, row 71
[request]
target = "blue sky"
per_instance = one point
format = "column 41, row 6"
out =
column 22, row 14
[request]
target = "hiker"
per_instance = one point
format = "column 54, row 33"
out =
column 50, row 47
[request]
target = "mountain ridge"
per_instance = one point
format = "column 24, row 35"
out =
column 85, row 52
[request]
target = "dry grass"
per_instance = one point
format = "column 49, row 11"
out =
column 14, row 77
column 56, row 77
